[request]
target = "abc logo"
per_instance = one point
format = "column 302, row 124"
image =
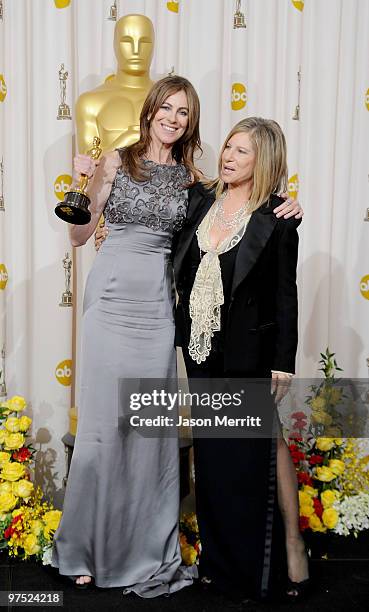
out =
column 299, row 4
column 367, row 99
column 3, row 276
column 293, row 186
column 364, row 286
column 173, row 6
column 239, row 96
column 3, row 88
column 62, row 3
column 62, row 185
column 63, row 372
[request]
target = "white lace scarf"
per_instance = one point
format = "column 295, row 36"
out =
column 207, row 292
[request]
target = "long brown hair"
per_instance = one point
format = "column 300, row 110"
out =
column 184, row 149
column 270, row 172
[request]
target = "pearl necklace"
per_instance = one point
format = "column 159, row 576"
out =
column 233, row 219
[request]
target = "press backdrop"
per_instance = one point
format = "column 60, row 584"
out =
column 237, row 73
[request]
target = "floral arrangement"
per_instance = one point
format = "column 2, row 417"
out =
column 189, row 539
column 332, row 471
column 27, row 524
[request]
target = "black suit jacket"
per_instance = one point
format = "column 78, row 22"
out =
column 261, row 329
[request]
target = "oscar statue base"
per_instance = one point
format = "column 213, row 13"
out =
column 64, row 112
column 67, row 299
column 74, row 208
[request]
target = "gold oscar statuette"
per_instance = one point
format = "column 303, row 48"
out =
column 239, row 20
column 3, row 392
column 67, row 297
column 113, row 12
column 63, row 110
column 2, row 205
column 74, row 208
column 112, row 110
column 296, row 115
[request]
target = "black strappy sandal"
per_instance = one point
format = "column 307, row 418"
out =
column 300, row 589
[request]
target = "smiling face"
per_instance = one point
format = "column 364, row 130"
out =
column 238, row 160
column 171, row 120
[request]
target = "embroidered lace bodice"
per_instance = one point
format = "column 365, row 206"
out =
column 159, row 203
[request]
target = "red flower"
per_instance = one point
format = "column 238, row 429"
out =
column 296, row 436
column 293, row 448
column 318, row 507
column 297, row 456
column 303, row 523
column 22, row 455
column 298, row 415
column 304, row 478
column 300, row 424
column 316, row 459
column 8, row 532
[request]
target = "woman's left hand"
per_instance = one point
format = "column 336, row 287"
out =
column 280, row 384
column 289, row 208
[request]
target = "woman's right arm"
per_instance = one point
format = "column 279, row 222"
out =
column 103, row 174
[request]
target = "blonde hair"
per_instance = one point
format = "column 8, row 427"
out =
column 270, row 172
column 184, row 149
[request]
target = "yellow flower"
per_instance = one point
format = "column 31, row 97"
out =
column 36, row 527
column 18, row 511
column 3, row 434
column 321, row 417
column 306, row 510
column 336, row 395
column 51, row 520
column 4, row 458
column 30, row 544
column 330, row 517
column 315, row 523
column 324, row 444
column 310, row 491
column 12, row 424
column 23, row 488
column 318, row 403
column 333, row 432
column 338, row 441
column 6, row 487
column 24, row 423
column 7, row 501
column 305, row 499
column 12, row 471
column 17, row 403
column 337, row 466
column 324, row 474
column 13, row 441
column 189, row 554
column 328, row 497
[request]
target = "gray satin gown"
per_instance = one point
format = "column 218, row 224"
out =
column 120, row 515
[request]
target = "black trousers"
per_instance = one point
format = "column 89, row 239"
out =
column 240, row 526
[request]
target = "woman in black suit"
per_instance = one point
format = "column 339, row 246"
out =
column 235, row 269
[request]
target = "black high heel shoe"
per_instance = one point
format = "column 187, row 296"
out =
column 300, row 590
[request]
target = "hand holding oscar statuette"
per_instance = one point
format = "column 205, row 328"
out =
column 74, row 208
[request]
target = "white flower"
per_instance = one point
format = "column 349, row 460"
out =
column 353, row 514
column 47, row 555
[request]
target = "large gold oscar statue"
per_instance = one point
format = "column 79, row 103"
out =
column 112, row 110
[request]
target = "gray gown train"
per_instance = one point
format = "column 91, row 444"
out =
column 120, row 515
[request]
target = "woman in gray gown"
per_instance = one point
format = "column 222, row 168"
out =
column 120, row 515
